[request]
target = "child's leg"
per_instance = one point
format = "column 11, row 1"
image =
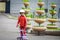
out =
column 24, row 31
column 24, row 34
column 21, row 32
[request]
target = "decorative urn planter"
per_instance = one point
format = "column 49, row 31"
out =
column 27, row 11
column 40, row 29
column 52, row 20
column 28, row 18
column 53, row 6
column 39, row 21
column 26, row 4
column 40, row 3
column 39, row 11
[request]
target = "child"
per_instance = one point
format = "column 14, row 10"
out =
column 22, row 23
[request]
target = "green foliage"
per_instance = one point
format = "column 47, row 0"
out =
column 51, row 11
column 30, row 15
column 42, row 16
column 39, row 0
column 53, row 3
column 39, row 8
column 25, row 0
column 51, row 25
column 26, row 8
column 39, row 26
column 54, row 17
column 53, row 29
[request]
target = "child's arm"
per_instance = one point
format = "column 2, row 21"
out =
column 18, row 21
column 25, row 22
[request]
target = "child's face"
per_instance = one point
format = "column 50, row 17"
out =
column 21, row 13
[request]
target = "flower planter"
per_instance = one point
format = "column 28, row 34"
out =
column 27, row 11
column 40, row 29
column 40, row 3
column 53, row 6
column 52, row 20
column 26, row 4
column 39, row 11
column 39, row 21
column 28, row 26
column 28, row 18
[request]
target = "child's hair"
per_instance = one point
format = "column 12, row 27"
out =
column 21, row 12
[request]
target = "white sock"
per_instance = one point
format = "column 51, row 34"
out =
column 25, row 37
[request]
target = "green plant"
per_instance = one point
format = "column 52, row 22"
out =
column 51, row 25
column 51, row 11
column 26, row 8
column 39, row 8
column 39, row 0
column 42, row 16
column 54, row 17
column 25, row 0
column 30, row 15
column 53, row 3
column 39, row 26
column 53, row 29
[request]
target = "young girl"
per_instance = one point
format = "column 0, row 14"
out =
column 22, row 22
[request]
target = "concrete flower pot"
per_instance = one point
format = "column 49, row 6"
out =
column 28, row 26
column 53, row 6
column 40, row 29
column 40, row 3
column 52, row 20
column 26, row 4
column 27, row 11
column 39, row 21
column 39, row 11
column 28, row 18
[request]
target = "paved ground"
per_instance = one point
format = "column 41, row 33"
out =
column 8, row 31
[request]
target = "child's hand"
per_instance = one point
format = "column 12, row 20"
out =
column 16, row 25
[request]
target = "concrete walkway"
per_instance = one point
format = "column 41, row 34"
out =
column 8, row 31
